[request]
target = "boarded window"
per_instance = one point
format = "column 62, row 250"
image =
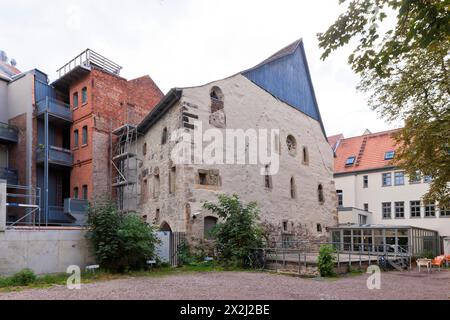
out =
column 209, row 225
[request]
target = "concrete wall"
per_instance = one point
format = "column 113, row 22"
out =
column 355, row 195
column 46, row 251
column 246, row 106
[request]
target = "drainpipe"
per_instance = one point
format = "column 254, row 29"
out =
column 46, row 150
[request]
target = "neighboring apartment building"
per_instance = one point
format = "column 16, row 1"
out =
column 297, row 203
column 65, row 131
column 373, row 191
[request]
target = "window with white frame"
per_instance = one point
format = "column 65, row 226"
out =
column 399, row 178
column 430, row 210
column 399, row 210
column 387, row 179
column 387, row 210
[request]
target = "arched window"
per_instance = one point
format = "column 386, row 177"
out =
column 305, row 156
column 291, row 145
column 217, row 98
column 164, row 136
column 320, row 194
column 165, row 227
column 293, row 189
column 208, row 226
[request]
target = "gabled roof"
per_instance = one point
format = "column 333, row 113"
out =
column 369, row 151
column 334, row 141
column 286, row 76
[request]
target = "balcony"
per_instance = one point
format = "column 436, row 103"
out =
column 56, row 156
column 58, row 111
column 77, row 209
column 10, row 175
column 8, row 134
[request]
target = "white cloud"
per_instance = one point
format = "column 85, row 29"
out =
column 186, row 43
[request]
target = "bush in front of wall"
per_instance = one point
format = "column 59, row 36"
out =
column 122, row 242
column 326, row 261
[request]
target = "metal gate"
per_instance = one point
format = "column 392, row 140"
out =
column 167, row 250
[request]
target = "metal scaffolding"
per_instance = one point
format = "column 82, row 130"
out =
column 124, row 163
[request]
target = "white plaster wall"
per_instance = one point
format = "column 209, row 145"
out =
column 47, row 251
column 247, row 106
column 3, row 101
column 355, row 195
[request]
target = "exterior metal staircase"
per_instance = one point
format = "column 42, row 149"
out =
column 398, row 259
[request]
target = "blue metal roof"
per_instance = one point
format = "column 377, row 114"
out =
column 286, row 76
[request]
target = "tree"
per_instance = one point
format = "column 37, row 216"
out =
column 238, row 235
column 405, row 67
column 121, row 242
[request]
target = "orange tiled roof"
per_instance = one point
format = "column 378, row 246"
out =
column 369, row 151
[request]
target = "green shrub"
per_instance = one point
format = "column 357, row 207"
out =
column 184, row 254
column 239, row 233
column 22, row 278
column 326, row 261
column 428, row 255
column 121, row 242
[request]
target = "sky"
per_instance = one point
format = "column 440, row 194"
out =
column 182, row 43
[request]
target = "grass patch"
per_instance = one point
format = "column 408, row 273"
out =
column 8, row 284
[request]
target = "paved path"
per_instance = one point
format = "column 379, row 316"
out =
column 248, row 286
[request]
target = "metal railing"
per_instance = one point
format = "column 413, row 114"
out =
column 9, row 133
column 305, row 253
column 10, row 175
column 27, row 199
column 55, row 107
column 88, row 58
column 55, row 155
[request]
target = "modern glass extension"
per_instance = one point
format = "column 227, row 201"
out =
column 386, row 239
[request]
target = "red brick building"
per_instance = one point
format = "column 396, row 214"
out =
column 100, row 101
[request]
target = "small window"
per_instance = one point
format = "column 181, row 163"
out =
column 293, row 189
column 366, row 207
column 203, row 178
column 430, row 210
column 85, row 136
column 415, row 178
column 291, row 144
column 320, row 194
column 399, row 178
column 285, row 226
column 389, row 155
column 164, row 136
column 75, row 193
column 156, row 185
column 85, row 192
column 350, row 161
column 144, row 149
column 387, row 210
column 340, row 195
column 387, row 179
column 75, row 139
column 305, row 156
column 319, row 228
column 172, row 180
column 445, row 211
column 399, row 210
column 75, row 100
column 84, row 95
column 415, row 209
column 268, row 179
column 366, row 181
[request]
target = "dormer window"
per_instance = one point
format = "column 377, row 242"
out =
column 350, row 161
column 389, row 155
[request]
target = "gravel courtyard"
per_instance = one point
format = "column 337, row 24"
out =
column 249, row 286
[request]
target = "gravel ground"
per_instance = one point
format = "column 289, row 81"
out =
column 251, row 286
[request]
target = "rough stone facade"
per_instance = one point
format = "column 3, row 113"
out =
column 245, row 106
